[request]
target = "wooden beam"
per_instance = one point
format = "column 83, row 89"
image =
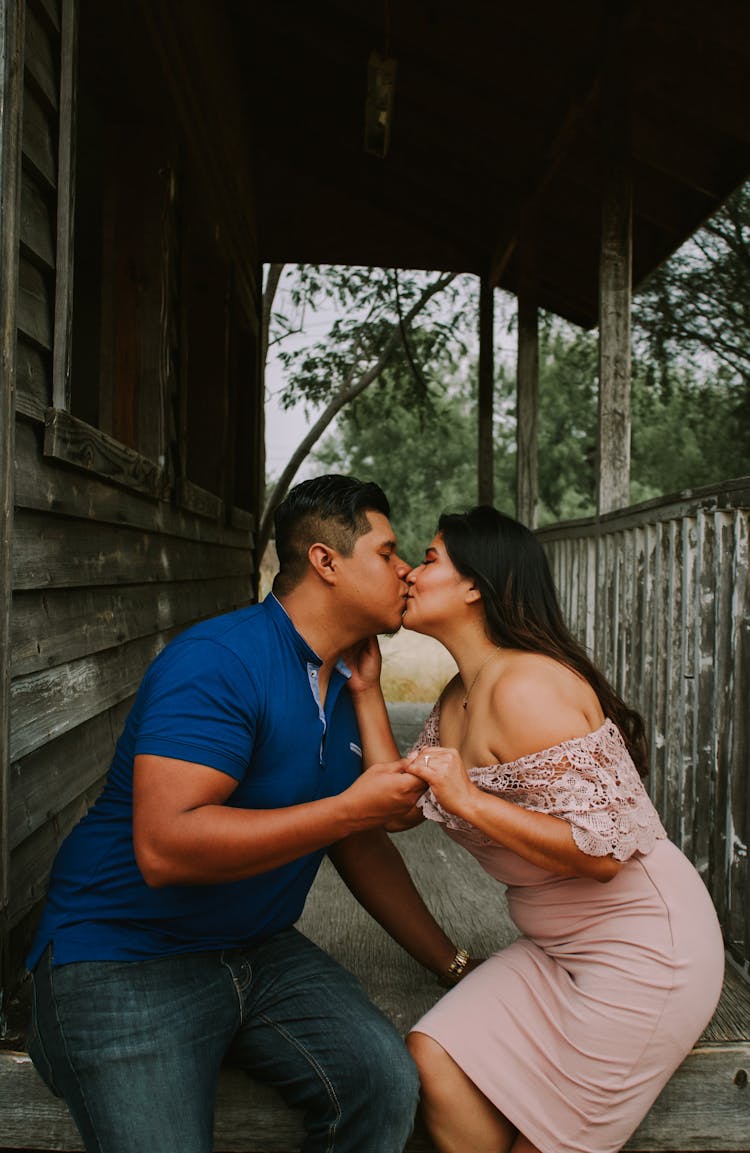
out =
column 615, row 284
column 527, row 384
column 63, row 324
column 485, row 476
column 11, row 104
column 567, row 132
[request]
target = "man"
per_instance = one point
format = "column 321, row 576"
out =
column 167, row 944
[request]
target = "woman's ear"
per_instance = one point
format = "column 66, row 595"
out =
column 323, row 560
column 472, row 595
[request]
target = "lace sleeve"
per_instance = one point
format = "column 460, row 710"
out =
column 430, row 734
column 590, row 781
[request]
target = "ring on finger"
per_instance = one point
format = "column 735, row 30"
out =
column 427, row 760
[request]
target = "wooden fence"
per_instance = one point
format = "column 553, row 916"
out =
column 659, row 595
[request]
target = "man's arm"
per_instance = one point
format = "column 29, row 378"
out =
column 185, row 834
column 374, row 871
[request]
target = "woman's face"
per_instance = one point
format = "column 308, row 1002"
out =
column 437, row 591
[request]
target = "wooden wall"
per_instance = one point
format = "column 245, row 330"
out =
column 114, row 547
column 659, row 593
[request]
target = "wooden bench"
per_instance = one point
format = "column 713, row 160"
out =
column 705, row 1107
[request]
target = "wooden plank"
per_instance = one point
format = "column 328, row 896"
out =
column 33, row 379
column 706, row 1105
column 72, row 440
column 241, row 519
column 42, row 484
column 739, row 799
column 636, row 672
column 34, row 316
column 721, row 840
column 59, row 625
column 731, row 1021
column 47, row 781
column 674, row 698
column 11, row 98
column 37, row 232
column 705, row 640
column 688, row 633
column 702, row 1109
column 40, row 56
column 63, row 319
column 729, row 494
column 52, row 552
column 200, row 501
column 47, row 704
column 39, row 139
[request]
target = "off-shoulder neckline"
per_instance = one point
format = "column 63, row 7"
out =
column 607, row 724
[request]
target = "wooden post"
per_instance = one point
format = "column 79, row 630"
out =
column 527, row 387
column 63, row 340
column 615, row 281
column 485, row 477
column 11, row 104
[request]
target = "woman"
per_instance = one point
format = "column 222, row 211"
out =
column 562, row 1041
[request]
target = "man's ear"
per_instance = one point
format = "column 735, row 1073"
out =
column 323, row 559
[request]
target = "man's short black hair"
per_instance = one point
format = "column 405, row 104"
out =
column 331, row 509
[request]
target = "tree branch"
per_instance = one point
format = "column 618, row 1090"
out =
column 347, row 393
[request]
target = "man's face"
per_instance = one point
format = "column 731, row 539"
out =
column 373, row 586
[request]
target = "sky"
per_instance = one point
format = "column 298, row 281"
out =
column 285, row 429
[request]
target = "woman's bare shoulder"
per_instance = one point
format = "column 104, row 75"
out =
column 537, row 702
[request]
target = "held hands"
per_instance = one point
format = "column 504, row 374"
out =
column 444, row 771
column 385, row 793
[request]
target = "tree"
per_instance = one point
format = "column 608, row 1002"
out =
column 698, row 302
column 421, row 452
column 691, row 324
column 374, row 330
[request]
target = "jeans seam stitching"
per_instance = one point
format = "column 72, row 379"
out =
column 238, row 989
column 318, row 1069
column 69, row 1059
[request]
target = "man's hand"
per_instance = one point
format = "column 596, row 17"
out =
column 383, row 793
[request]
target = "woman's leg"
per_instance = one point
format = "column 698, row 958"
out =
column 458, row 1115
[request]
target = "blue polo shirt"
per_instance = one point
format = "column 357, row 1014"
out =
column 238, row 693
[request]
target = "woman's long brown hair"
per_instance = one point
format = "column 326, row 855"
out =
column 509, row 567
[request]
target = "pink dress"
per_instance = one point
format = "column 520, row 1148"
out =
column 573, row 1030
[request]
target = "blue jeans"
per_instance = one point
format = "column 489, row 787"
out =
column 135, row 1047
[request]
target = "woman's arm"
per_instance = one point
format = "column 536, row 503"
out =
column 540, row 838
column 378, row 744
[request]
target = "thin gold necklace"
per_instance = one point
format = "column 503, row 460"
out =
column 486, row 660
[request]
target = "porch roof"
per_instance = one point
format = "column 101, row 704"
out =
column 496, row 110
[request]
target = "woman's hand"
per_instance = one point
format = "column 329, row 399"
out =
column 364, row 662
column 445, row 773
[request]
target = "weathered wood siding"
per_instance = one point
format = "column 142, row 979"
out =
column 112, row 552
column 659, row 594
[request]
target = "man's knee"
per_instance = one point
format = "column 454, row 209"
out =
column 388, row 1076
